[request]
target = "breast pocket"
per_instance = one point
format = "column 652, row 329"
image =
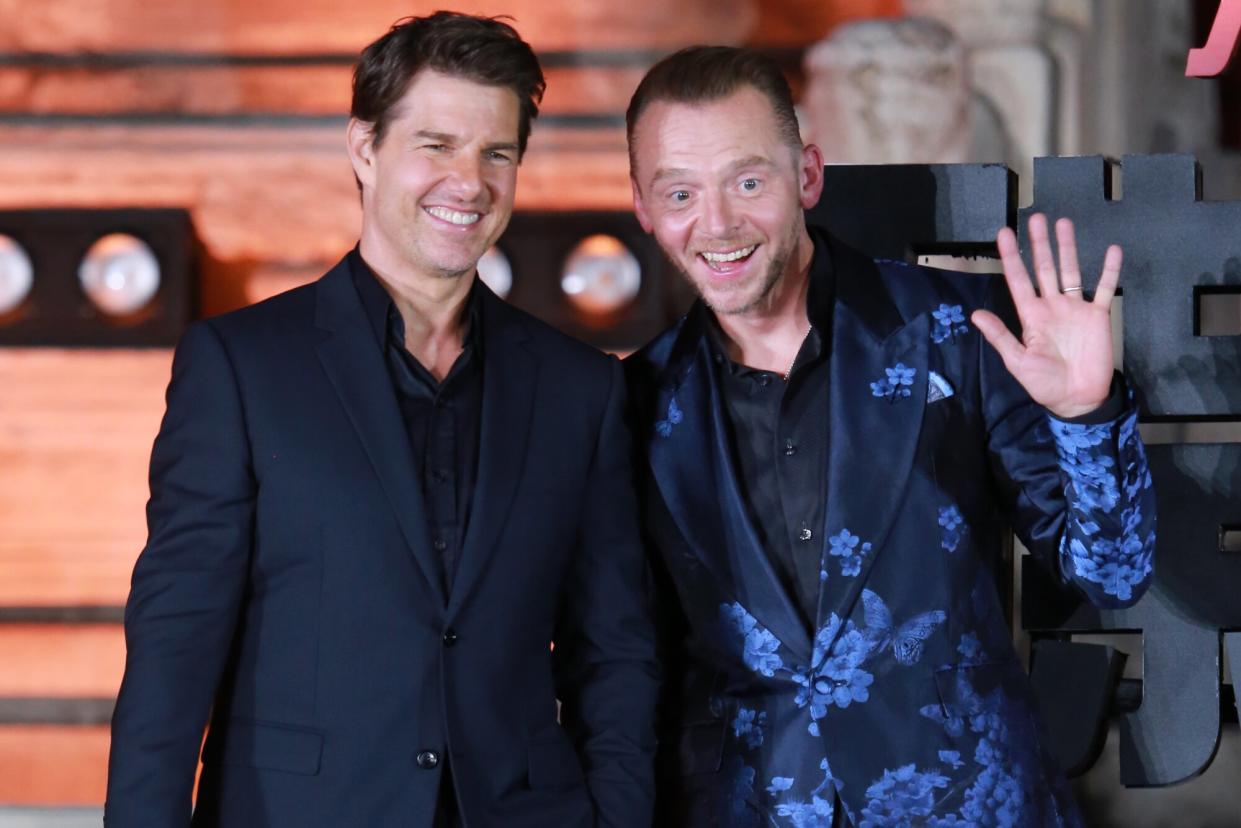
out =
column 268, row 746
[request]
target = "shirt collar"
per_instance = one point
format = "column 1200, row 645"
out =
column 820, row 300
column 384, row 318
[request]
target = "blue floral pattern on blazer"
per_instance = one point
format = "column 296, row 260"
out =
column 903, row 702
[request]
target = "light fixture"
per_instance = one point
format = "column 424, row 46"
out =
column 16, row 275
column 119, row 274
column 600, row 275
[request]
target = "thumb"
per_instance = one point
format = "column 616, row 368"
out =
column 1001, row 338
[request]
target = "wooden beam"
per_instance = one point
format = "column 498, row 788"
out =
column 224, row 90
column 76, row 428
column 323, row 26
column 61, row 660
column 53, row 765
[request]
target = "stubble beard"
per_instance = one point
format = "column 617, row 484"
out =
column 770, row 280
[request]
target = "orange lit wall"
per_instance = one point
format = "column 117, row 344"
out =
column 161, row 117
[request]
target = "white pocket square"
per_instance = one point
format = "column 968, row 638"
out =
column 937, row 388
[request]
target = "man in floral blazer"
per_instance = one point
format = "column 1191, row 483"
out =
column 832, row 452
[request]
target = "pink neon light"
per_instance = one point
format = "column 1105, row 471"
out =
column 1212, row 58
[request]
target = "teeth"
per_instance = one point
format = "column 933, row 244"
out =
column 453, row 216
column 718, row 258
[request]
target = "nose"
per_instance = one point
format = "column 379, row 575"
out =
column 718, row 218
column 466, row 177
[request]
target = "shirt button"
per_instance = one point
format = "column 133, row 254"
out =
column 450, row 637
column 764, row 380
column 439, row 544
column 790, row 448
column 428, row 760
column 805, row 534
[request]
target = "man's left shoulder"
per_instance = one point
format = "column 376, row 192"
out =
column 570, row 358
column 916, row 286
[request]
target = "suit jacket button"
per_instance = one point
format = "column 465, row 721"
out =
column 428, row 760
column 450, row 637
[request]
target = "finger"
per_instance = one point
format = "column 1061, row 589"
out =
column 1044, row 264
column 1070, row 273
column 1015, row 272
column 1001, row 338
column 1111, row 276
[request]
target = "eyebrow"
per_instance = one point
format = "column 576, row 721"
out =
column 440, row 137
column 750, row 161
column 740, row 164
column 665, row 173
column 448, row 138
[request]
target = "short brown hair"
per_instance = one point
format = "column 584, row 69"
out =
column 700, row 74
column 485, row 50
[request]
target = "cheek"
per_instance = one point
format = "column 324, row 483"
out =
column 674, row 229
column 503, row 184
column 769, row 215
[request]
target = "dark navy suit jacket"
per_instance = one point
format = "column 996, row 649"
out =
column 906, row 700
column 289, row 592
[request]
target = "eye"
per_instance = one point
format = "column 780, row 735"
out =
column 435, row 147
column 499, row 156
column 679, row 196
column 750, row 184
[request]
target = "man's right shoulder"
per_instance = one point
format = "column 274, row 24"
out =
column 645, row 366
column 277, row 323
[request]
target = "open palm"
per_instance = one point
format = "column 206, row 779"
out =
column 1064, row 356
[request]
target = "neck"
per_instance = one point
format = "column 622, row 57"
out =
column 769, row 336
column 432, row 308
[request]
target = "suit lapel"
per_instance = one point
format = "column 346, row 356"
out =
column 874, row 433
column 692, row 465
column 355, row 366
column 510, row 382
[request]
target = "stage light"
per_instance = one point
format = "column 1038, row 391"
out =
column 601, row 276
column 119, row 274
column 115, row 277
column 495, row 271
column 594, row 274
column 16, row 275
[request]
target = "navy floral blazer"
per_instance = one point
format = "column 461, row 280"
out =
column 907, row 700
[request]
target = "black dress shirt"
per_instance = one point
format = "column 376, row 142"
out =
column 441, row 418
column 779, row 439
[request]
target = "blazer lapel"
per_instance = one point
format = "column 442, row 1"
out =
column 510, row 383
column 692, row 464
column 878, row 395
column 355, row 366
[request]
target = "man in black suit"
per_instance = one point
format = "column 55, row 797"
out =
column 377, row 499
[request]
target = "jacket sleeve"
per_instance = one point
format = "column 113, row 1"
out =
column 606, row 671
column 1080, row 493
column 186, row 590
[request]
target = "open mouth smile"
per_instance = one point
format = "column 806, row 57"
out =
column 453, row 216
column 728, row 260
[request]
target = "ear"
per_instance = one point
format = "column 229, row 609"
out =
column 361, row 147
column 811, row 175
column 639, row 208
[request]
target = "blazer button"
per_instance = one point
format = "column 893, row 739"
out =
column 428, row 760
column 450, row 637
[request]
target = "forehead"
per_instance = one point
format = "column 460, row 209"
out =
column 706, row 135
column 447, row 103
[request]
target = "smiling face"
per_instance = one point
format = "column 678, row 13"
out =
column 723, row 193
column 438, row 189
